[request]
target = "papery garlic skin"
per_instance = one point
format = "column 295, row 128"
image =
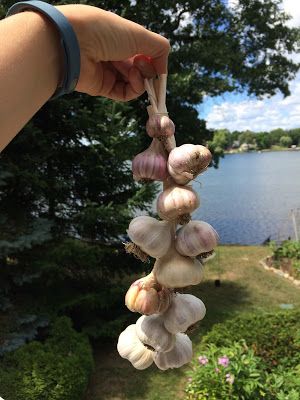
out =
column 152, row 236
column 152, row 332
column 187, row 161
column 160, row 125
column 181, row 354
column 184, row 311
column 151, row 164
column 146, row 296
column 195, row 238
column 130, row 347
column 177, row 271
column 176, row 201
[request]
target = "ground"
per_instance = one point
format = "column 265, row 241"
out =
column 244, row 286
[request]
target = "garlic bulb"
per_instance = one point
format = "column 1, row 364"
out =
column 176, row 271
column 195, row 238
column 130, row 347
column 152, row 236
column 153, row 334
column 176, row 203
column 187, row 161
column 160, row 125
column 151, row 164
column 181, row 354
column 184, row 311
column 147, row 296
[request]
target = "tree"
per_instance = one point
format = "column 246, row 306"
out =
column 262, row 140
column 66, row 190
column 285, row 141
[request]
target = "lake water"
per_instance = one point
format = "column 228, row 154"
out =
column 249, row 198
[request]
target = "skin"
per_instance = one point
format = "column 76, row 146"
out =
column 31, row 61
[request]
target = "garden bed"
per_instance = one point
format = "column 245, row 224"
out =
column 283, row 268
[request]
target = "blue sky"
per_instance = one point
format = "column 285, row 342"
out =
column 237, row 111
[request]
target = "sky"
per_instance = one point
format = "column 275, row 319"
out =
column 238, row 111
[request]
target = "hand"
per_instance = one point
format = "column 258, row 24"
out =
column 108, row 44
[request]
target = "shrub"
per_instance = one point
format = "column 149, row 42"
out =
column 226, row 373
column 273, row 337
column 59, row 369
column 287, row 249
column 284, row 385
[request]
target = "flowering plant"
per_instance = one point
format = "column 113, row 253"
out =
column 226, row 373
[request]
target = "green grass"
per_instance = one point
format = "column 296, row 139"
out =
column 245, row 286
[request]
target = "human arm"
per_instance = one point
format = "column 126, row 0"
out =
column 30, row 60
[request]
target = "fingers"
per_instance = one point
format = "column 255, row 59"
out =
column 145, row 66
column 155, row 46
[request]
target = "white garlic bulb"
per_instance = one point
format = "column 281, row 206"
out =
column 187, row 161
column 130, row 347
column 176, row 202
column 181, row 354
column 176, row 271
column 152, row 236
column 195, row 238
column 152, row 333
column 184, row 311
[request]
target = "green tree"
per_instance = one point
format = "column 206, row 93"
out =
column 262, row 140
column 247, row 137
column 66, row 190
column 285, row 141
column 221, row 138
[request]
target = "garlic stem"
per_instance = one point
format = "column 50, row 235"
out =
column 162, row 93
column 151, row 95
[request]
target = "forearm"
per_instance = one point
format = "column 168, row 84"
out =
column 30, row 67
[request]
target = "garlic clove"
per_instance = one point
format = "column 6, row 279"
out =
column 195, row 238
column 177, row 271
column 147, row 296
column 151, row 164
column 152, row 236
column 153, row 334
column 181, row 354
column 176, row 201
column 130, row 347
column 184, row 312
column 187, row 161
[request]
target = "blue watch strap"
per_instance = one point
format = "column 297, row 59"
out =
column 68, row 37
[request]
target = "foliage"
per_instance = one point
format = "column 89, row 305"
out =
column 273, row 336
column 225, row 373
column 248, row 357
column 261, row 140
column 285, row 141
column 59, row 369
column 222, row 373
column 286, row 249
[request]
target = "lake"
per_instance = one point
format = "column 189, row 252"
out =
column 249, row 198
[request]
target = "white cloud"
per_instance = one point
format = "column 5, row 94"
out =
column 258, row 115
column 292, row 8
column 267, row 114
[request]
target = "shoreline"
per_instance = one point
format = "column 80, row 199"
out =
column 259, row 151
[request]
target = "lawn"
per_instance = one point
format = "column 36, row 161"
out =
column 245, row 286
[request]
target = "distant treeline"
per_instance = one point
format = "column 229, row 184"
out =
column 223, row 139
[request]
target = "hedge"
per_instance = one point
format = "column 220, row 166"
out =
column 58, row 369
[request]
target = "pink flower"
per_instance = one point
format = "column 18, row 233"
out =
column 203, row 360
column 223, row 361
column 217, row 369
column 230, row 379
